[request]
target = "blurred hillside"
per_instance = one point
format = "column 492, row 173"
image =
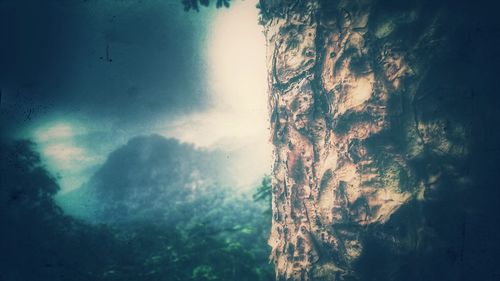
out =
column 149, row 223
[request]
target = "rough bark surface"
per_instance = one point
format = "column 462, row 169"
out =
column 352, row 124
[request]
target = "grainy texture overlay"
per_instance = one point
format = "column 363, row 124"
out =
column 370, row 123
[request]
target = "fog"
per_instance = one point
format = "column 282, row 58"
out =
column 126, row 69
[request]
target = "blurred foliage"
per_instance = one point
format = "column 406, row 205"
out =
column 195, row 4
column 264, row 194
column 215, row 240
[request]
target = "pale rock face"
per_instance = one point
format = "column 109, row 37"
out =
column 346, row 123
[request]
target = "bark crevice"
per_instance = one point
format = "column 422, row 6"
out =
column 345, row 127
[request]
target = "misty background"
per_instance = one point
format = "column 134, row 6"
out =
column 134, row 141
column 81, row 78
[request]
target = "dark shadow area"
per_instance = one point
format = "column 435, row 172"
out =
column 452, row 233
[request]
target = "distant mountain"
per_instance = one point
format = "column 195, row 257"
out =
column 149, row 178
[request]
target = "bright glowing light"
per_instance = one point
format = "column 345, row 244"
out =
column 63, row 155
column 237, row 78
column 237, row 61
column 57, row 131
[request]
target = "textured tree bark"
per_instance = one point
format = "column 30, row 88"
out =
column 352, row 125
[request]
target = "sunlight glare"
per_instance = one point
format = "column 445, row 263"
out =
column 237, row 79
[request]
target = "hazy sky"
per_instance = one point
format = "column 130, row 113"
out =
column 81, row 78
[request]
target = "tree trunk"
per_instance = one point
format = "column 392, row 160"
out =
column 363, row 133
